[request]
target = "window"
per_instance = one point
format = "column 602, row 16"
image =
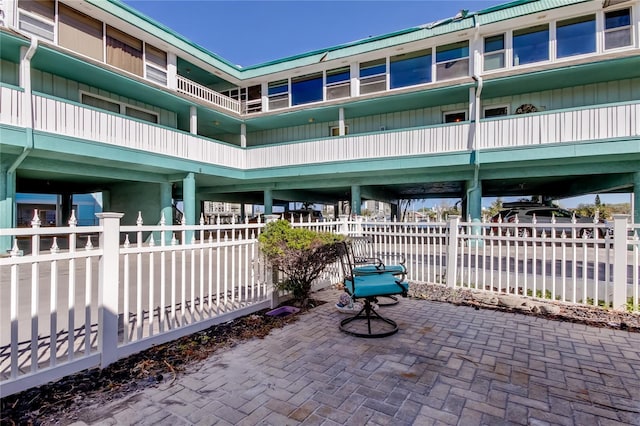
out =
column 124, row 51
column 496, row 111
column 338, row 83
column 335, row 131
column 79, row 32
column 373, row 76
column 37, row 18
column 531, row 45
column 279, row 94
column 118, row 107
column 452, row 61
column 410, row 69
column 576, row 36
column 494, row 52
column 306, row 89
column 617, row 29
column 100, row 103
column 455, row 116
column 156, row 64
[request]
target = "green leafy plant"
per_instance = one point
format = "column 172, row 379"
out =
column 300, row 254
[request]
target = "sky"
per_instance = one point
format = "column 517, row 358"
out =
column 253, row 32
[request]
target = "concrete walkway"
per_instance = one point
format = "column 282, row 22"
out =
column 446, row 365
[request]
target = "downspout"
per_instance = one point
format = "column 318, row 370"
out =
column 27, row 110
column 476, row 110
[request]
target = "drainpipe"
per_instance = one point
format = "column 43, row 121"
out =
column 479, row 86
column 27, row 110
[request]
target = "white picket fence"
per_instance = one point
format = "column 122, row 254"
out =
column 77, row 297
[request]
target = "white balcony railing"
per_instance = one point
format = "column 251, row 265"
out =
column 71, row 119
column 203, row 93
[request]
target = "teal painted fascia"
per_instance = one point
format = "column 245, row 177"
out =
column 567, row 152
column 380, row 165
column 123, row 157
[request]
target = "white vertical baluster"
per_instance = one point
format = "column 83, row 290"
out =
column 125, row 296
column 151, row 288
column 15, row 251
column 53, row 306
column 585, row 264
column 72, row 287
column 201, row 306
column 225, row 274
column 139, row 313
column 563, row 248
column 193, row 296
column 163, row 275
column 219, row 265
column 173, row 280
column 88, row 296
column 35, row 290
column 210, row 273
column 183, row 273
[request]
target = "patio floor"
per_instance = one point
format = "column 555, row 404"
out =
column 447, row 365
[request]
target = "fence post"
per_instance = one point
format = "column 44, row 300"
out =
column 452, row 250
column 619, row 261
column 108, row 286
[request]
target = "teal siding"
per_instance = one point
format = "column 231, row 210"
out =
column 9, row 72
column 358, row 125
column 576, row 96
column 69, row 89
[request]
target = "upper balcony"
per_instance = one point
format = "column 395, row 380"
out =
column 618, row 121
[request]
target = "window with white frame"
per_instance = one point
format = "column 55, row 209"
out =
column 617, row 29
column 494, row 52
column 278, row 94
column 495, row 111
column 452, row 61
column 454, row 116
column 338, row 83
column 37, row 18
column 306, row 89
column 373, row 76
column 576, row 36
column 155, row 64
column 410, row 69
column 531, row 45
column 118, row 107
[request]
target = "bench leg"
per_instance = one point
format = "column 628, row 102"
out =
column 367, row 313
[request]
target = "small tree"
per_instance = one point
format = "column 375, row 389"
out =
column 300, row 254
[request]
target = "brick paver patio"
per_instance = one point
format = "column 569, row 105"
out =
column 447, row 365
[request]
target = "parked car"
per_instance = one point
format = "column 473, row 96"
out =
column 545, row 214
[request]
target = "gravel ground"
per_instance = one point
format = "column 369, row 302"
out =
column 161, row 364
column 560, row 311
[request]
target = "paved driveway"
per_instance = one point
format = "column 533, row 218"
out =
column 446, row 365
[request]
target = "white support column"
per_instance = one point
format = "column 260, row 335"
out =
column 108, row 287
column 341, row 126
column 452, row 250
column 265, row 97
column 172, row 71
column 193, row 121
column 355, row 79
column 243, row 135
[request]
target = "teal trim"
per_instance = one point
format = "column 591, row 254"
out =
column 11, row 86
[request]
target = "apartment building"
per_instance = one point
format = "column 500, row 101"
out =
column 528, row 97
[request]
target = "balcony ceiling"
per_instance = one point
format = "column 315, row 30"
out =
column 557, row 78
